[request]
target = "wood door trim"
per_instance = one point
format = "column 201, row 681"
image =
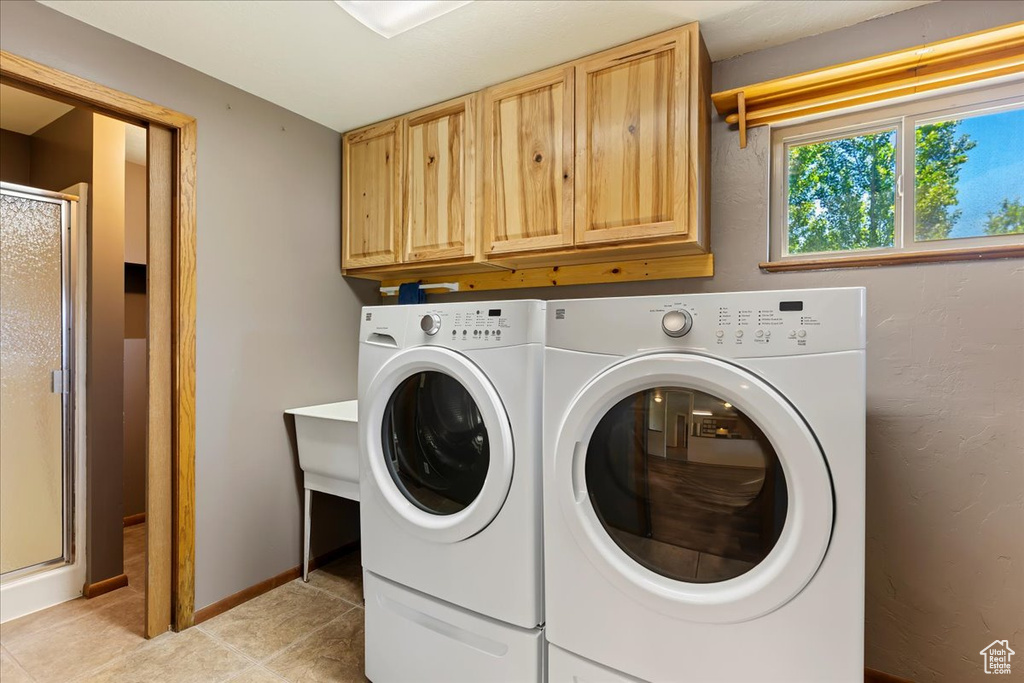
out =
column 94, row 590
column 159, row 416
column 132, row 520
column 61, row 85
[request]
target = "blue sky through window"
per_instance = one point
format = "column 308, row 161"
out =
column 994, row 169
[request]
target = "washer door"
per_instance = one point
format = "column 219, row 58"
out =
column 694, row 487
column 439, row 444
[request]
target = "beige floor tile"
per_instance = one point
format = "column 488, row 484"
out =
column 47, row 619
column 188, row 657
column 266, row 624
column 334, row 653
column 10, row 670
column 134, row 538
column 135, row 555
column 343, row 577
column 256, row 674
column 76, row 647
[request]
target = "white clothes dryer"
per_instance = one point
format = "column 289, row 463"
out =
column 450, row 491
column 704, row 487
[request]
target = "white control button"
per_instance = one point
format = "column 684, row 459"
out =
column 792, row 334
column 767, row 333
column 720, row 333
column 802, row 333
column 739, row 333
column 759, row 334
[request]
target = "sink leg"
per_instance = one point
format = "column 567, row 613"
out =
column 307, row 522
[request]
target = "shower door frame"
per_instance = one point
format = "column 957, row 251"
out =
column 68, row 268
column 171, row 349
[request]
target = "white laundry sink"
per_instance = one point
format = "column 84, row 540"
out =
column 327, row 437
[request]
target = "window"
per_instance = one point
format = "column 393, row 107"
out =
column 941, row 177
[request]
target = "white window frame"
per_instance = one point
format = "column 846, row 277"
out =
column 903, row 118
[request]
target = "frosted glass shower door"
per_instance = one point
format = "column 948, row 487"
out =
column 34, row 525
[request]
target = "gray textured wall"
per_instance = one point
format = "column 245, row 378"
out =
column 276, row 322
column 945, row 471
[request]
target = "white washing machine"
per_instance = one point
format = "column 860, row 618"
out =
column 450, row 491
column 704, row 487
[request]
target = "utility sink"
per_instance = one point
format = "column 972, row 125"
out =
column 328, row 443
column 328, row 447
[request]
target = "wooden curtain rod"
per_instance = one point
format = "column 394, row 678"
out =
column 965, row 59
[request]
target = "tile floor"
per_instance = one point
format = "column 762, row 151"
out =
column 297, row 632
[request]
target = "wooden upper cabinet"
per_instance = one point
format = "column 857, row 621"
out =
column 635, row 150
column 440, row 182
column 528, row 163
column 371, row 195
column 601, row 159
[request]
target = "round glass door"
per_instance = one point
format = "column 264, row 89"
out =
column 437, row 447
column 686, row 484
column 435, row 443
column 693, row 486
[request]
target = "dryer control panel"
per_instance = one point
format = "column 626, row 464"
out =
column 460, row 326
column 740, row 324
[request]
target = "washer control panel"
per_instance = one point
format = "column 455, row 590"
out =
column 742, row 324
column 758, row 324
column 455, row 325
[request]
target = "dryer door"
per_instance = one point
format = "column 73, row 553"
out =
column 694, row 487
column 438, row 444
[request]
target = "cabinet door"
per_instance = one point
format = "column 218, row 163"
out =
column 440, row 182
column 632, row 148
column 528, row 156
column 371, row 195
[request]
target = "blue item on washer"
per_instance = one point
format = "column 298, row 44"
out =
column 410, row 293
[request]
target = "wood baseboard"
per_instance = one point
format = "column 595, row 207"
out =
column 258, row 589
column 132, row 520
column 92, row 590
column 875, row 676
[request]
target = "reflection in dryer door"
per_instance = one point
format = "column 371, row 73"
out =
column 686, row 484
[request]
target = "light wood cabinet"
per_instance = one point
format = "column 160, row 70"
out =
column 602, row 160
column 636, row 145
column 371, row 195
column 440, row 182
column 528, row 163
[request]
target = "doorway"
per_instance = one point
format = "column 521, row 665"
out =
column 170, row 325
column 71, row 528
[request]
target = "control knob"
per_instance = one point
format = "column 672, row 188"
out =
column 430, row 323
column 676, row 323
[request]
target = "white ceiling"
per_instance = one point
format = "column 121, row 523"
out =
column 311, row 57
column 25, row 113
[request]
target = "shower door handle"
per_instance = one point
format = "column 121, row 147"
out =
column 58, row 382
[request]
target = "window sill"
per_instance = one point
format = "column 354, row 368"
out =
column 897, row 258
